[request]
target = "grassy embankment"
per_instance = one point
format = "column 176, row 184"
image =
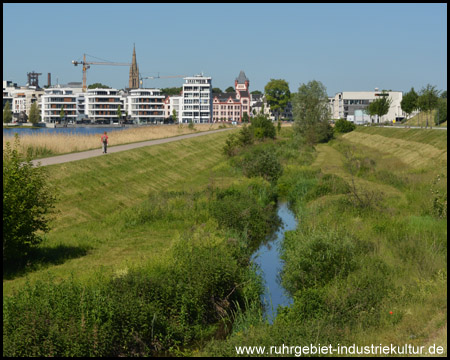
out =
column 421, row 120
column 368, row 263
column 45, row 145
column 371, row 239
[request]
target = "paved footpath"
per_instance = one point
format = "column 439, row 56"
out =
column 98, row 152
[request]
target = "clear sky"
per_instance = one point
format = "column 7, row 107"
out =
column 348, row 47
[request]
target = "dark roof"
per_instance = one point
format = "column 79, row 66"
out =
column 241, row 79
column 258, row 104
column 244, row 93
column 222, row 97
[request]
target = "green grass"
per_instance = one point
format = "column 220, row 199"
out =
column 95, row 196
column 126, row 216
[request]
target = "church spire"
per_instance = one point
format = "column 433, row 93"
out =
column 133, row 82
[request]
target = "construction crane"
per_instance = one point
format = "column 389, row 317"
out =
column 159, row 77
column 86, row 65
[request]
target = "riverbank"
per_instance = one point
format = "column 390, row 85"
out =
column 42, row 145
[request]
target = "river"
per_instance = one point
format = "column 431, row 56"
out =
column 267, row 257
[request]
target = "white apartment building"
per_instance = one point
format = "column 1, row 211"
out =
column 145, row 106
column 197, row 100
column 23, row 98
column 70, row 99
column 344, row 104
column 101, row 105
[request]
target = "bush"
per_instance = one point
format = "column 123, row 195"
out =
column 262, row 127
column 262, row 163
column 27, row 201
column 344, row 126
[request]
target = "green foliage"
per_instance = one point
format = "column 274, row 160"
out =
column 344, row 126
column 380, row 106
column 277, row 95
column 173, row 91
column 230, row 89
column 315, row 257
column 262, row 162
column 256, row 92
column 231, row 146
column 439, row 197
column 27, row 201
column 246, row 136
column 119, row 113
column 34, row 113
column 7, row 114
column 409, row 101
column 262, row 127
column 245, row 118
column 216, row 90
column 61, row 113
column 428, row 99
column 441, row 112
column 250, row 211
column 311, row 113
column 98, row 86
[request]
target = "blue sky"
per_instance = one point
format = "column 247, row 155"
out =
column 348, row 47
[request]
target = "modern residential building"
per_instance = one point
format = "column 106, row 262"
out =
column 101, row 105
column 69, row 99
column 145, row 106
column 344, row 104
column 197, row 99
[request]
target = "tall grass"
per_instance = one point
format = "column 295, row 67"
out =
column 42, row 145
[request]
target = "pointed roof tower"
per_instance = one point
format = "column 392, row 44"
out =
column 133, row 82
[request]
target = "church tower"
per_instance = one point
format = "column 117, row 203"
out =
column 133, row 82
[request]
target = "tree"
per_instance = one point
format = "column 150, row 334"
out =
column 380, row 106
column 441, row 113
column 216, row 90
column 344, row 126
column 173, row 91
column 409, row 102
column 262, row 127
column 311, row 113
column 34, row 113
column 119, row 114
column 277, row 95
column 256, row 92
column 174, row 115
column 444, row 94
column 61, row 114
column 230, row 89
column 98, row 86
column 27, row 202
column 7, row 114
column 245, row 118
column 428, row 99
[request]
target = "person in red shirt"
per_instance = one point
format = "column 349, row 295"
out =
column 104, row 139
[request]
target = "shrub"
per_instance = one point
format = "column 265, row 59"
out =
column 344, row 126
column 27, row 202
column 262, row 163
column 262, row 127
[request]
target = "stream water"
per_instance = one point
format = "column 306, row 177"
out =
column 267, row 257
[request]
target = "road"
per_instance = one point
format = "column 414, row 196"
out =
column 113, row 149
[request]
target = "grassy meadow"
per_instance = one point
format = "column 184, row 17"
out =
column 167, row 230
column 44, row 145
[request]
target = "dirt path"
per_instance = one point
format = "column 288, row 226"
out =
column 98, row 152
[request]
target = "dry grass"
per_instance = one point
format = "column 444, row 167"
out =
column 412, row 153
column 54, row 144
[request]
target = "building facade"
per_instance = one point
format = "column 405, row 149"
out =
column 70, row 100
column 101, row 105
column 230, row 107
column 145, row 106
column 348, row 104
column 197, row 99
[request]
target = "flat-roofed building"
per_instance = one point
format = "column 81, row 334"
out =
column 197, row 99
column 344, row 104
column 101, row 105
column 69, row 99
column 145, row 106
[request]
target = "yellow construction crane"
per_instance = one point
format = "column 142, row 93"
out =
column 159, row 77
column 87, row 63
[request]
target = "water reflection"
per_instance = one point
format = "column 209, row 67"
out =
column 267, row 257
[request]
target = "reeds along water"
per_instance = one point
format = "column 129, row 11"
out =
column 54, row 144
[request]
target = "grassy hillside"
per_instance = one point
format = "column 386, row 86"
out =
column 97, row 195
column 366, row 265
column 421, row 120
